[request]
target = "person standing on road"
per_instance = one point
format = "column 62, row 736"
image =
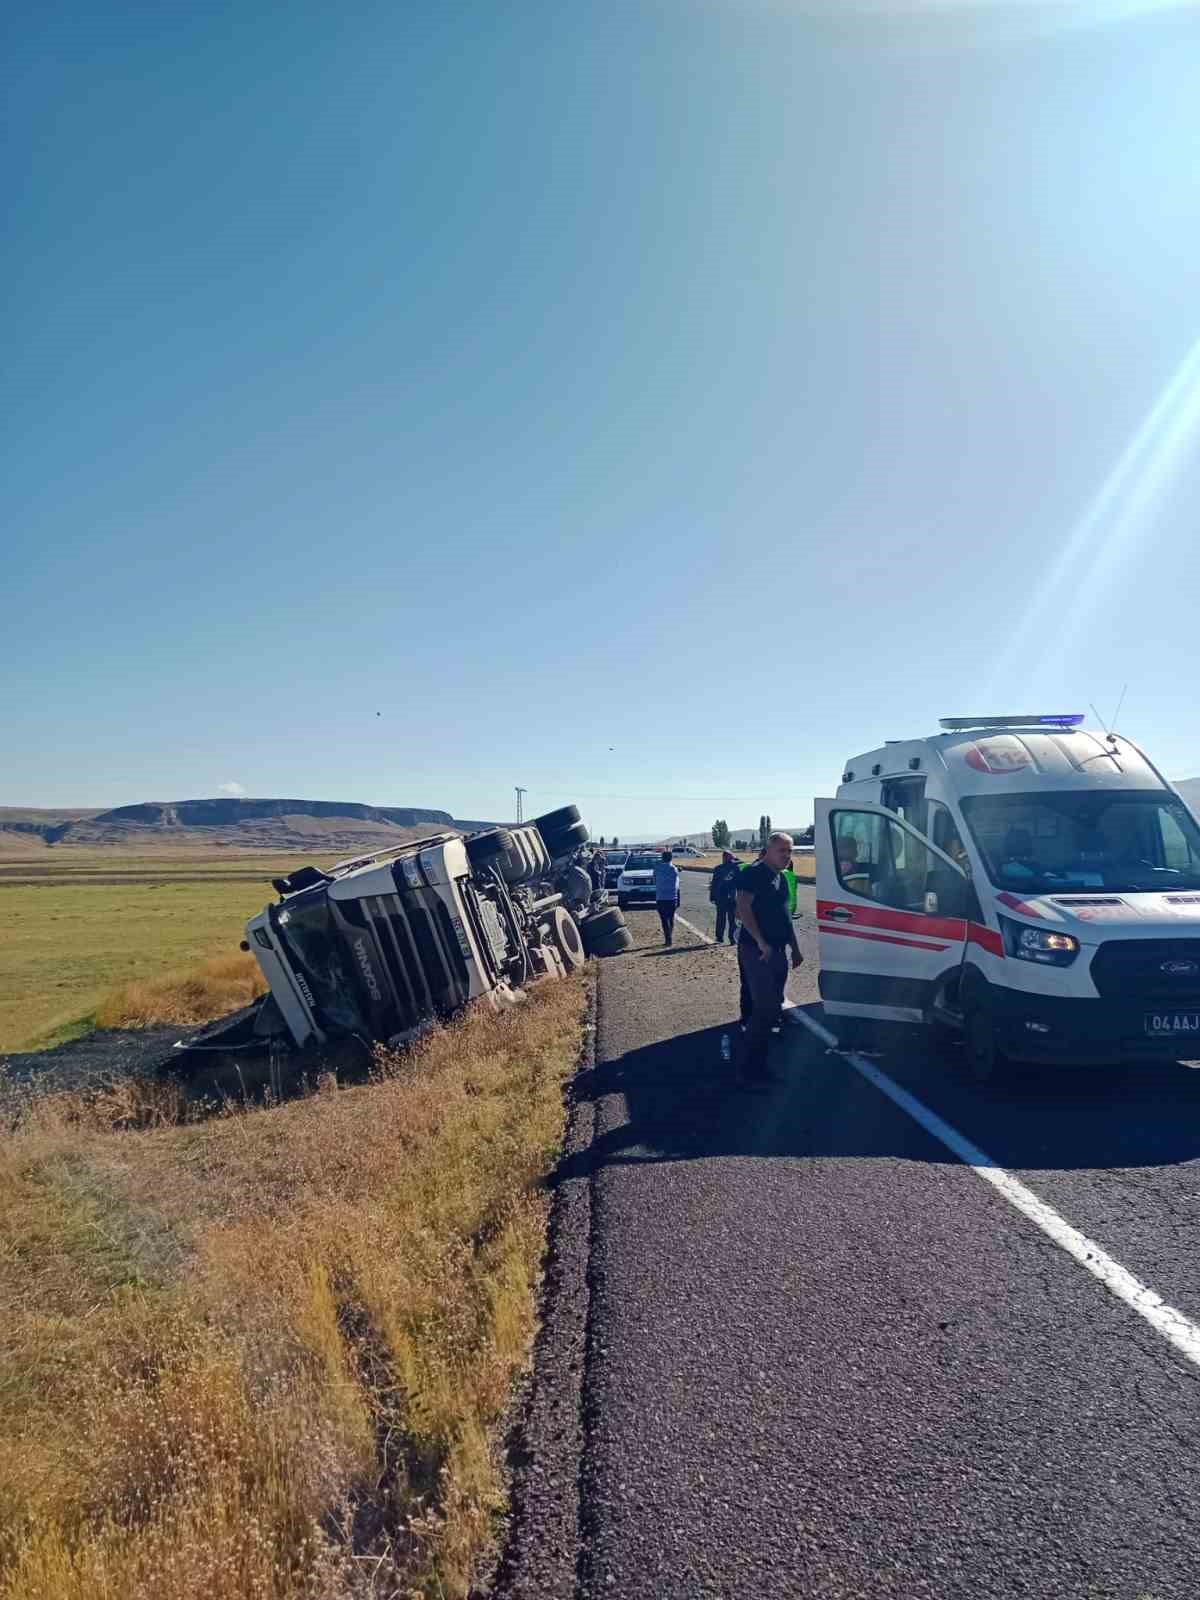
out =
column 598, row 866
column 766, row 937
column 722, row 891
column 789, row 877
column 666, row 895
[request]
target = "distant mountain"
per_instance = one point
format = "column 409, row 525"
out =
column 262, row 824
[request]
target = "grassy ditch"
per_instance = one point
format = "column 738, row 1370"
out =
column 212, row 990
column 266, row 1355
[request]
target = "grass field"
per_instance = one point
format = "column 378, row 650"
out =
column 803, row 866
column 267, row 1356
column 76, row 924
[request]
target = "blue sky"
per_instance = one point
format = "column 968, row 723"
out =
column 649, row 403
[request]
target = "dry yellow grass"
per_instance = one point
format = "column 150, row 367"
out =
column 264, row 1357
column 211, row 990
column 803, row 866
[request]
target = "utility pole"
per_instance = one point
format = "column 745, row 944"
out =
column 521, row 793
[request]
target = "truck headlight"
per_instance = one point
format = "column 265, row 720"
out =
column 1044, row 945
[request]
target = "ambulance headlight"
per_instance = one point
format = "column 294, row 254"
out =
column 1044, row 945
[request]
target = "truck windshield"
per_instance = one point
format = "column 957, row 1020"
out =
column 305, row 928
column 1130, row 841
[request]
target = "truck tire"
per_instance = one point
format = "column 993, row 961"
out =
column 555, row 821
column 564, row 931
column 487, row 846
column 566, row 839
column 599, row 926
column 614, row 944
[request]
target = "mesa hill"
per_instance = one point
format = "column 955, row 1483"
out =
column 265, row 824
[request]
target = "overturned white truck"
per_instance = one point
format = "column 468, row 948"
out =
column 383, row 945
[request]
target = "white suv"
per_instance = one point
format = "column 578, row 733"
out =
column 637, row 880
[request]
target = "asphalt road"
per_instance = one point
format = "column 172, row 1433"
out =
column 817, row 1355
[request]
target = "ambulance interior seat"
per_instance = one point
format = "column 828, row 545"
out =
column 1018, row 858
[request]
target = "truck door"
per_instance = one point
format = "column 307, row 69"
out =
column 891, row 913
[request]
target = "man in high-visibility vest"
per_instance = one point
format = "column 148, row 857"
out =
column 789, row 877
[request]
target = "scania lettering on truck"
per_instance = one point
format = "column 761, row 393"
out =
column 1019, row 880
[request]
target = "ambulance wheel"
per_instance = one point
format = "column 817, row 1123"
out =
column 849, row 1032
column 986, row 1061
column 487, row 846
column 554, row 821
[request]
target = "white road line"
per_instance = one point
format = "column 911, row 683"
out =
column 692, row 928
column 1164, row 1319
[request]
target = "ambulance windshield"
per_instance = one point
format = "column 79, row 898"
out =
column 1131, row 841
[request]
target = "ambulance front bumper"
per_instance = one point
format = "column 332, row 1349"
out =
column 1089, row 1032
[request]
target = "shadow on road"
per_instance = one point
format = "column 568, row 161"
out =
column 678, row 1101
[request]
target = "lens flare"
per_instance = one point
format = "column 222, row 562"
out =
column 1117, row 524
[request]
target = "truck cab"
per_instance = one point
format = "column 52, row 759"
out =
column 1019, row 880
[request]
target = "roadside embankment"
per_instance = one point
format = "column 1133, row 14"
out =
column 268, row 1354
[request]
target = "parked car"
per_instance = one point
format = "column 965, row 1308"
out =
column 636, row 881
column 615, row 859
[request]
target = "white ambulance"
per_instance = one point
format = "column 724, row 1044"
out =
column 1017, row 880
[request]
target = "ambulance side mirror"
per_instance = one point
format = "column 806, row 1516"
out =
column 947, row 894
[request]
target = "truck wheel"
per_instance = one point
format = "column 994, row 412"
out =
column 564, row 931
column 555, row 821
column 614, row 944
column 599, row 926
column 566, row 839
column 487, row 846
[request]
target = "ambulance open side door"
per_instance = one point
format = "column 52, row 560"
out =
column 892, row 914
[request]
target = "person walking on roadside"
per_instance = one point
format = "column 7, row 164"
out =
column 766, row 937
column 722, row 891
column 666, row 895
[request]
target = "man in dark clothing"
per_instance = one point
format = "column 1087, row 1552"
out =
column 722, row 891
column 766, row 937
column 597, row 867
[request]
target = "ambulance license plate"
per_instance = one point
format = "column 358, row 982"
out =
column 1160, row 1024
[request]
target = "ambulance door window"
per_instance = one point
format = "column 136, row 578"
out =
column 906, row 797
column 876, row 859
column 944, row 833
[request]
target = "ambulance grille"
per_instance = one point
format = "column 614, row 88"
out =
column 1133, row 969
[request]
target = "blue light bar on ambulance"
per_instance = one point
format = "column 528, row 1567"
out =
column 1063, row 719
